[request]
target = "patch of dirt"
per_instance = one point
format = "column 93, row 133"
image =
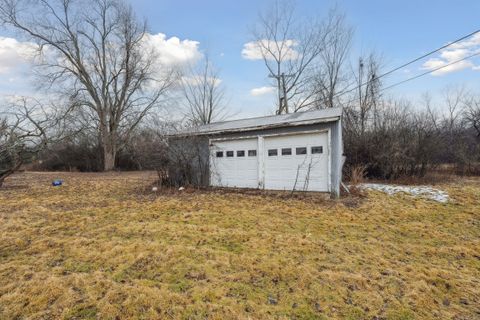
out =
column 311, row 197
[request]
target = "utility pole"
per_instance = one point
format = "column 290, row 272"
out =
column 285, row 100
column 282, row 91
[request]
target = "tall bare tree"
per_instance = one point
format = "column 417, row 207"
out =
column 204, row 94
column 330, row 76
column 289, row 49
column 304, row 57
column 93, row 52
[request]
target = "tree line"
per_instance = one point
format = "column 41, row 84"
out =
column 109, row 90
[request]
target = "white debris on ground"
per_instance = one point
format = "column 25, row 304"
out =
column 416, row 191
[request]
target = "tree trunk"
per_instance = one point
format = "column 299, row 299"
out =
column 109, row 155
column 109, row 148
column 108, row 160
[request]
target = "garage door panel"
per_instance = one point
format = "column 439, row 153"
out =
column 297, row 172
column 236, row 171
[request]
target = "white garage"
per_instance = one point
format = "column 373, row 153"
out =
column 291, row 152
column 296, row 161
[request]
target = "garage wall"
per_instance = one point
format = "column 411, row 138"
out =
column 337, row 156
column 200, row 146
column 336, row 145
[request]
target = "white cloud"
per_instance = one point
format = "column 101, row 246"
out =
column 261, row 91
column 14, row 53
column 170, row 51
column 283, row 50
column 453, row 53
column 433, row 64
column 17, row 57
column 471, row 42
column 173, row 51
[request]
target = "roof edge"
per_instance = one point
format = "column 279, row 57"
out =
column 259, row 127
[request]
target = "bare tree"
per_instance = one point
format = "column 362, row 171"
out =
column 25, row 128
column 368, row 93
column 93, row 52
column 330, row 75
column 289, row 50
column 454, row 98
column 10, row 146
column 204, row 95
column 431, row 114
column 360, row 111
column 472, row 114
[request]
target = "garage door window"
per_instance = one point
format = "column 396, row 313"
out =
column 286, row 151
column 301, row 150
column 252, row 153
column 316, row 150
column 219, row 154
column 229, row 154
column 240, row 153
column 272, row 152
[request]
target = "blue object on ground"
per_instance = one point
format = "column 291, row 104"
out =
column 57, row 183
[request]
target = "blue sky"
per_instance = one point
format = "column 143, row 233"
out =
column 397, row 30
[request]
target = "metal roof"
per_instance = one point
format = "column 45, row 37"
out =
column 283, row 120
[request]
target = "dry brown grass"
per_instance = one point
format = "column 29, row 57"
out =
column 96, row 248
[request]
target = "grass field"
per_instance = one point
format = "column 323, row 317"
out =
column 103, row 247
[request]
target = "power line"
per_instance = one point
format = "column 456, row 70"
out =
column 406, row 64
column 431, row 71
column 424, row 73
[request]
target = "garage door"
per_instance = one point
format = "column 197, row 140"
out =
column 297, row 162
column 234, row 163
